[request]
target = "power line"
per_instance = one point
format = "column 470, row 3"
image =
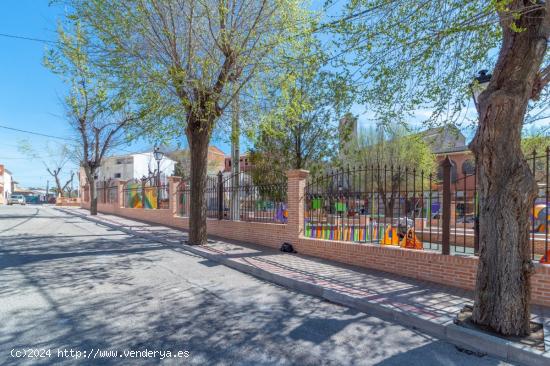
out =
column 37, row 133
column 6, row 35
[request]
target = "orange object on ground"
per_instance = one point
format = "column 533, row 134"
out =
column 390, row 237
column 546, row 258
column 410, row 241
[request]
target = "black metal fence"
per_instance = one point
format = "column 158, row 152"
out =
column 239, row 197
column 248, row 199
column 183, row 198
column 112, row 194
column 375, row 204
column 464, row 214
column 395, row 206
column 540, row 219
column 106, row 191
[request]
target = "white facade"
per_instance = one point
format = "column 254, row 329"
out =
column 134, row 166
column 8, row 184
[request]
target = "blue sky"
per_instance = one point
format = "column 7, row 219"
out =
column 30, row 94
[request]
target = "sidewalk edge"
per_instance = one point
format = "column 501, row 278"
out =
column 457, row 335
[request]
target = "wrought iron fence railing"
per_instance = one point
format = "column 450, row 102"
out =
column 112, row 194
column 247, row 197
column 106, row 192
column 239, row 197
column 395, row 206
column 374, row 205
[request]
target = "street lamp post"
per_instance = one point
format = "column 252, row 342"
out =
column 158, row 157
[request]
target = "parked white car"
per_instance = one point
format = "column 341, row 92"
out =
column 17, row 199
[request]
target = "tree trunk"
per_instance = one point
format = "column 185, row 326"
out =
column 506, row 185
column 59, row 186
column 198, row 145
column 93, row 190
column 93, row 198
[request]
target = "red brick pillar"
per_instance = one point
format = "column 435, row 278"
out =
column 120, row 193
column 173, row 185
column 295, row 196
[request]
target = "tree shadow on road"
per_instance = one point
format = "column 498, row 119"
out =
column 127, row 293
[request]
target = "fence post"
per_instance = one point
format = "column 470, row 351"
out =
column 120, row 193
column 104, row 191
column 446, row 225
column 295, row 203
column 143, row 193
column 173, row 194
column 476, row 236
column 220, row 196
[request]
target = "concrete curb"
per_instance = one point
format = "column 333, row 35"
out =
column 457, row 335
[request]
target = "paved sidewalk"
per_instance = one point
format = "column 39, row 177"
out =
column 419, row 304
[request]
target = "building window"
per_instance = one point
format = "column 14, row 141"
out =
column 469, row 167
column 117, row 175
column 453, row 172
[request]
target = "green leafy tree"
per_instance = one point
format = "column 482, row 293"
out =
column 536, row 145
column 187, row 60
column 396, row 159
column 299, row 128
column 97, row 111
column 537, row 142
column 410, row 55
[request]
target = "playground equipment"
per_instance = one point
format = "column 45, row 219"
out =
column 410, row 241
column 545, row 258
column 390, row 236
column 359, row 233
column 281, row 213
column 541, row 217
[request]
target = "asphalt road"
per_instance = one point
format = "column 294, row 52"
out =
column 67, row 284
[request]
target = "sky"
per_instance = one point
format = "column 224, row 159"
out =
column 30, row 94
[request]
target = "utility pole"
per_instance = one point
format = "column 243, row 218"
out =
column 235, row 157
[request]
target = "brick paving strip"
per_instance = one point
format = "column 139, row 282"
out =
column 423, row 305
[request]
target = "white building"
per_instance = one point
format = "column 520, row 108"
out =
column 135, row 166
column 6, row 184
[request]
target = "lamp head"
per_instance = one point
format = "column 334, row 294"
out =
column 481, row 81
column 158, row 154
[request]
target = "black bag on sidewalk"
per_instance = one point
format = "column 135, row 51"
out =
column 287, row 248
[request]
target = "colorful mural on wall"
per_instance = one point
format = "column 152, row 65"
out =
column 134, row 196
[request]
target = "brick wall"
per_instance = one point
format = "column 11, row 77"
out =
column 453, row 270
